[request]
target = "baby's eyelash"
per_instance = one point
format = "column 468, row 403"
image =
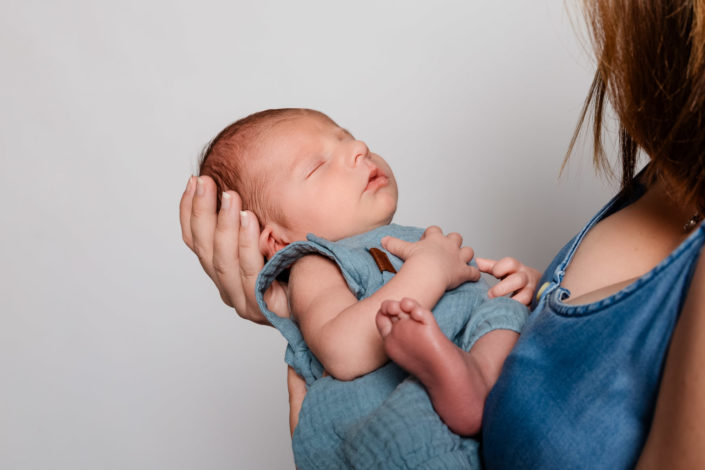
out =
column 318, row 165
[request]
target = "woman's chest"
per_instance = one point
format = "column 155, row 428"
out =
column 618, row 250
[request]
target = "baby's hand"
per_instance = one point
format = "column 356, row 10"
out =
column 441, row 256
column 514, row 278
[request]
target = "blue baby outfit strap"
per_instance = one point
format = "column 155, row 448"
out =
column 383, row 419
column 360, row 271
column 297, row 352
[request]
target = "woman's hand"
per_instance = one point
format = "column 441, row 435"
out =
column 297, row 391
column 226, row 244
column 515, row 278
column 444, row 256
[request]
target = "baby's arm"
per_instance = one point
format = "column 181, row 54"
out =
column 340, row 330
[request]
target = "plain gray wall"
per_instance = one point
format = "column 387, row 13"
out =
column 115, row 350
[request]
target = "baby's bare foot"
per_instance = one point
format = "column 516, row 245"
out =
column 414, row 341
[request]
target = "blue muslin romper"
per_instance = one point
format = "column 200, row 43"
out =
column 579, row 388
column 383, row 419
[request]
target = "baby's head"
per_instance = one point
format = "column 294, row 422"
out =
column 299, row 172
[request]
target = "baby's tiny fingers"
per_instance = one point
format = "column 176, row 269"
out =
column 524, row 295
column 511, row 283
column 473, row 274
column 506, row 266
column 433, row 229
column 485, row 264
column 466, row 254
column 397, row 246
column 456, row 237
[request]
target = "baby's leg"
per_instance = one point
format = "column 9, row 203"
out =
column 452, row 377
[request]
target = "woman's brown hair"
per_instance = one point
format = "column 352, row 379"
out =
column 651, row 67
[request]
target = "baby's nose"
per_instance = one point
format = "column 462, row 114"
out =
column 359, row 153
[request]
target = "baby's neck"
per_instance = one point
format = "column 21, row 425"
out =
column 352, row 233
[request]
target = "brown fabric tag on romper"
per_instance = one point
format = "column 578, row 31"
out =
column 382, row 260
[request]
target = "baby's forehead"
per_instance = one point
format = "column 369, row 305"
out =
column 289, row 138
column 302, row 125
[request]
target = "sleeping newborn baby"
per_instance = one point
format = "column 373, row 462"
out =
column 363, row 291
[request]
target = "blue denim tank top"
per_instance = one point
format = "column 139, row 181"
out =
column 580, row 387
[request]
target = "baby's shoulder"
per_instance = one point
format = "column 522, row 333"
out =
column 314, row 268
column 313, row 278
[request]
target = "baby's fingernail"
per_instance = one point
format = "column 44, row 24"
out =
column 199, row 187
column 225, row 201
column 244, row 219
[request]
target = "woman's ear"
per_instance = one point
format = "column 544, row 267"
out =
column 271, row 240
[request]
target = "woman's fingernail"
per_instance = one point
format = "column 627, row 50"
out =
column 189, row 184
column 244, row 219
column 225, row 201
column 199, row 186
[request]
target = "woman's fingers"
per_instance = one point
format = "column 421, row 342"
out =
column 225, row 251
column 297, row 392
column 203, row 222
column 251, row 259
column 185, row 211
column 251, row 262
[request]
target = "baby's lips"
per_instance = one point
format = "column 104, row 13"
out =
column 377, row 178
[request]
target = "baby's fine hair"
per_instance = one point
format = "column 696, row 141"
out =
column 228, row 160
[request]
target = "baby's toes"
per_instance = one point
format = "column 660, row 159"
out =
column 384, row 324
column 407, row 304
column 390, row 308
column 421, row 314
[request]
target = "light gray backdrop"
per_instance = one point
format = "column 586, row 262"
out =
column 115, row 350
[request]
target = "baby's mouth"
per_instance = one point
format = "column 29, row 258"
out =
column 376, row 180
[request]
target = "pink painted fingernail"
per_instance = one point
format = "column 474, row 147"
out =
column 199, row 187
column 225, row 201
column 244, row 218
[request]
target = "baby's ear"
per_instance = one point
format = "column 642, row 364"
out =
column 271, row 240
